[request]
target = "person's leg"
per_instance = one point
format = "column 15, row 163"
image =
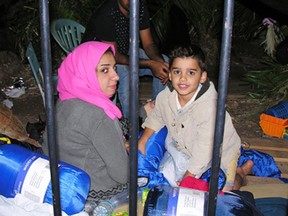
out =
column 124, row 81
column 241, row 173
column 231, row 172
column 123, row 88
column 157, row 85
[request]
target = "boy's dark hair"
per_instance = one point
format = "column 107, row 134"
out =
column 191, row 51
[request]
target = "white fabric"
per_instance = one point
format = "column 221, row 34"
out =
column 14, row 92
column 21, row 206
column 174, row 163
column 8, row 103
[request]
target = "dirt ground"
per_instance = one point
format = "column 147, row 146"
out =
column 245, row 111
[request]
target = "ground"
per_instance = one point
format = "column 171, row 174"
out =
column 244, row 110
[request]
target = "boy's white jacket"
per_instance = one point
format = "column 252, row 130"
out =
column 193, row 129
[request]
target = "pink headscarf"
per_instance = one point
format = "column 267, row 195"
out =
column 77, row 77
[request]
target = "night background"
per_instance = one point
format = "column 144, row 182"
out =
column 259, row 51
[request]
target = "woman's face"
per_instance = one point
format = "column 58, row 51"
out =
column 106, row 74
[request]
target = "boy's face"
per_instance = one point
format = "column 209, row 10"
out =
column 185, row 75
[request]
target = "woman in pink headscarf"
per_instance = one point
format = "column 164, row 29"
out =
column 89, row 134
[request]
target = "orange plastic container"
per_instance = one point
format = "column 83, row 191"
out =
column 273, row 126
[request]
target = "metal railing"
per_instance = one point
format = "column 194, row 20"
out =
column 134, row 83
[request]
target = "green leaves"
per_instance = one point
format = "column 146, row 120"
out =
column 272, row 81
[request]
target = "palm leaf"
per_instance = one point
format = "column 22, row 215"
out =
column 160, row 19
column 245, row 24
column 269, row 82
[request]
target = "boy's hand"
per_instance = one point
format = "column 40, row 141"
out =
column 147, row 133
column 142, row 148
column 188, row 174
column 148, row 107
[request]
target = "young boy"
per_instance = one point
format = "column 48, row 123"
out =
column 188, row 110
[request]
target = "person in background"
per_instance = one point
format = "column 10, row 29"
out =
column 110, row 23
column 88, row 132
column 188, row 110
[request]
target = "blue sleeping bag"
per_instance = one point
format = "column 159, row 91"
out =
column 27, row 172
column 264, row 164
column 272, row 206
column 148, row 174
column 165, row 200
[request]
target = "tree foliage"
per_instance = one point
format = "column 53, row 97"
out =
column 269, row 82
column 204, row 21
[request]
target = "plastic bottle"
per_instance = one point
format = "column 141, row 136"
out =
column 175, row 201
column 106, row 207
column 90, row 205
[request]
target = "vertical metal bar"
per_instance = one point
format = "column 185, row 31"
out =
column 47, row 69
column 222, row 93
column 133, row 105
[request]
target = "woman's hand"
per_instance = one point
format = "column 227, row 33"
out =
column 127, row 146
